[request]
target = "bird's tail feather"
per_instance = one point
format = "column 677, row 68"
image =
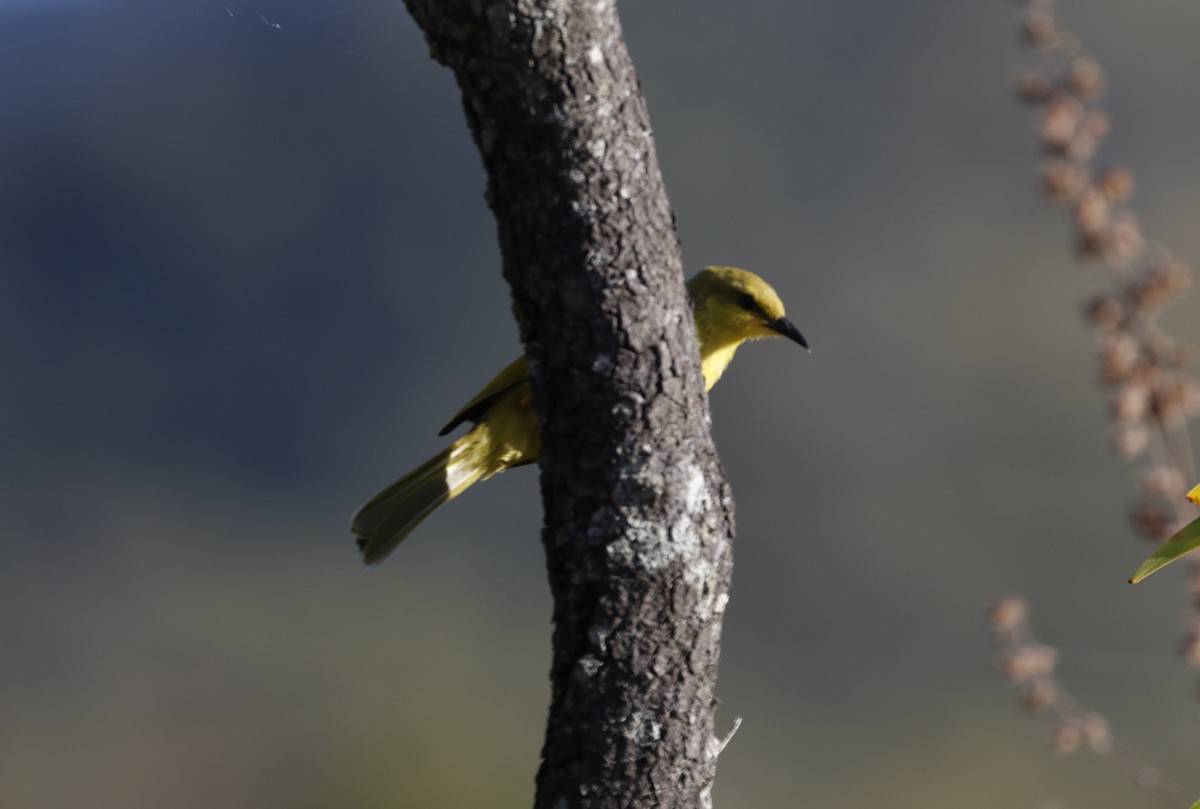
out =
column 390, row 516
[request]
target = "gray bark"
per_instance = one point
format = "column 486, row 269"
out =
column 639, row 518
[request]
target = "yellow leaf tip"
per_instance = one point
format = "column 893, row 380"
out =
column 1149, row 566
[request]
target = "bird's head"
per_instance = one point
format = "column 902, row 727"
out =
column 733, row 305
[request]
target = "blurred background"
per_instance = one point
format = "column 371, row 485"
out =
column 246, row 273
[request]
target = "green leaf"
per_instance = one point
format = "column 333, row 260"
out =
column 1174, row 546
column 1196, row 805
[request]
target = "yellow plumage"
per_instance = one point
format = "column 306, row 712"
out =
column 730, row 306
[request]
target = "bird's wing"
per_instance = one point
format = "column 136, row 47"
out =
column 517, row 373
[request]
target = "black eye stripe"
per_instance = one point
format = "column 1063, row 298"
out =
column 747, row 302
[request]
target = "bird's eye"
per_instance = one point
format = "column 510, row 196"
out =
column 747, row 302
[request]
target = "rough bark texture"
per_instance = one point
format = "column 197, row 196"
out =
column 638, row 515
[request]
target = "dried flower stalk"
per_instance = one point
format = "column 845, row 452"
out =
column 1029, row 666
column 1140, row 368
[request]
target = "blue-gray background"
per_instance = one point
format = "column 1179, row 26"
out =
column 246, row 271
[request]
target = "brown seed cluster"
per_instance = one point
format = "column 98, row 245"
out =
column 1022, row 661
column 1029, row 666
column 1090, row 730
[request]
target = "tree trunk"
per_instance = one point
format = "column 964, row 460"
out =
column 639, row 519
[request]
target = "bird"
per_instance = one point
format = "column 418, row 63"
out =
column 729, row 305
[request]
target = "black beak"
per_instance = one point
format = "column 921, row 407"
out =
column 788, row 330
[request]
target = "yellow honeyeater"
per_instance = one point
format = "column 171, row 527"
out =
column 730, row 306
